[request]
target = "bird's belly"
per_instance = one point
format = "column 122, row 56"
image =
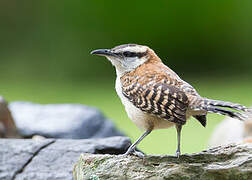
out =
column 142, row 120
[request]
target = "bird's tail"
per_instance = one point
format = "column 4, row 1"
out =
column 215, row 106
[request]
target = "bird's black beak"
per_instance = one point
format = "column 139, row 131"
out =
column 103, row 52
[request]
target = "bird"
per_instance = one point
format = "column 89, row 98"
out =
column 155, row 97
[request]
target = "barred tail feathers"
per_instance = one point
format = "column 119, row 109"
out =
column 213, row 106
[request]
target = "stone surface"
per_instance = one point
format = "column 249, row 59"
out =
column 226, row 130
column 15, row 154
column 231, row 131
column 51, row 159
column 73, row 121
column 7, row 125
column 228, row 162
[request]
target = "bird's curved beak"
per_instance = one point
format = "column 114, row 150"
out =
column 103, row 52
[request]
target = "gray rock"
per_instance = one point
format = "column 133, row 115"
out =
column 16, row 154
column 226, row 129
column 72, row 121
column 226, row 162
column 51, row 159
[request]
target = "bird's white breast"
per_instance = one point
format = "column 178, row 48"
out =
column 140, row 118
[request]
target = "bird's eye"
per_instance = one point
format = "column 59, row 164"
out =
column 129, row 54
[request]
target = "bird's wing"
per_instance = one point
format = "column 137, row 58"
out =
column 162, row 99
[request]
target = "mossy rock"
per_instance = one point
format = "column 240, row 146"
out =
column 224, row 162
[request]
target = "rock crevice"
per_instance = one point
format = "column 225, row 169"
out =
column 19, row 171
column 51, row 159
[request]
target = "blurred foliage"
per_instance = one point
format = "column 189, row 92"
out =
column 45, row 46
column 52, row 39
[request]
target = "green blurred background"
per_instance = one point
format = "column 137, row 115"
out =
column 45, row 46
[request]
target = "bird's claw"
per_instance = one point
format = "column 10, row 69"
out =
column 177, row 154
column 135, row 153
column 138, row 154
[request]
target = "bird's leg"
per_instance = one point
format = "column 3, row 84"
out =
column 132, row 148
column 178, row 127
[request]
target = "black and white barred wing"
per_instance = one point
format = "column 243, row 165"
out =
column 159, row 99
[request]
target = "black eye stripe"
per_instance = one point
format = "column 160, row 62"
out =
column 129, row 54
column 134, row 54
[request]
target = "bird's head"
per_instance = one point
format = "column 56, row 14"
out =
column 127, row 57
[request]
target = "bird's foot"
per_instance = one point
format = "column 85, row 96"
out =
column 177, row 154
column 135, row 153
column 139, row 154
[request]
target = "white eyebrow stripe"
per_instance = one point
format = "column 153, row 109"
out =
column 136, row 49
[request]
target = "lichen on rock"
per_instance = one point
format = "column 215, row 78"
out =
column 233, row 161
